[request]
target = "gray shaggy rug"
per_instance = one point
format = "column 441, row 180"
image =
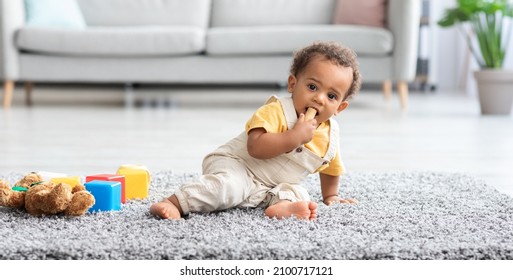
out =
column 420, row 215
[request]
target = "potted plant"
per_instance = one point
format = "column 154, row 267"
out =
column 487, row 27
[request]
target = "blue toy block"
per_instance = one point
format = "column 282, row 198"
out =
column 106, row 193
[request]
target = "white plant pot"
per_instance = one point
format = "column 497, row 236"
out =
column 495, row 89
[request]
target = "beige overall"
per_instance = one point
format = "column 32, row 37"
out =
column 233, row 178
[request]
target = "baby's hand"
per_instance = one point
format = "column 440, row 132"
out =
column 337, row 199
column 305, row 129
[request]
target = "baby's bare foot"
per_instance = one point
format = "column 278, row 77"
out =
column 313, row 210
column 165, row 210
column 299, row 209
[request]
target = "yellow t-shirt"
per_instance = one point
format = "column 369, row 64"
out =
column 272, row 118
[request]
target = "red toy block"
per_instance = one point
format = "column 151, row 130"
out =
column 110, row 177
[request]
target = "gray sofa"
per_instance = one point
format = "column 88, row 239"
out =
column 199, row 42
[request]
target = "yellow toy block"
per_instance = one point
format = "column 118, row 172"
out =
column 70, row 180
column 137, row 180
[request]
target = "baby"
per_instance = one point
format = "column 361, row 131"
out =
column 265, row 164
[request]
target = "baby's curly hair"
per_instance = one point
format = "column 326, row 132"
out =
column 334, row 52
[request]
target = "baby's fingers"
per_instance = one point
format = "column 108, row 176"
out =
column 349, row 201
column 344, row 201
column 313, row 122
column 353, row 200
column 301, row 117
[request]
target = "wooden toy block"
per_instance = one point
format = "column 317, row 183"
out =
column 47, row 176
column 107, row 195
column 70, row 180
column 113, row 178
column 137, row 180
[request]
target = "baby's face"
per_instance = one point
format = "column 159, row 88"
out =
column 322, row 85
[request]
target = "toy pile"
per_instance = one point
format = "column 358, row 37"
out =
column 46, row 193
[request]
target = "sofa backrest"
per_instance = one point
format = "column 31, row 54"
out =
column 146, row 12
column 271, row 12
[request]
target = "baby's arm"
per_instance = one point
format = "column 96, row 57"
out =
column 329, row 189
column 265, row 145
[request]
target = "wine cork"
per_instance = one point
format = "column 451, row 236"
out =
column 310, row 113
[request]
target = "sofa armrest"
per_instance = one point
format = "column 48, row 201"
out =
column 12, row 17
column 403, row 21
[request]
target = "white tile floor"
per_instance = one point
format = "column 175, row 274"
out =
column 85, row 130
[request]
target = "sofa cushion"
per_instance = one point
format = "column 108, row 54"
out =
column 369, row 12
column 56, row 13
column 146, row 12
column 271, row 12
column 286, row 39
column 113, row 41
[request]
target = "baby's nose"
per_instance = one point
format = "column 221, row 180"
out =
column 319, row 98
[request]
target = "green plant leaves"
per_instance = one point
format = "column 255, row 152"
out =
column 486, row 21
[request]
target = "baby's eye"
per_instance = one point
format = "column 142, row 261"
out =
column 312, row 87
column 332, row 96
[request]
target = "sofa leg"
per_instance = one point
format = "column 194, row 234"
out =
column 8, row 91
column 129, row 95
column 402, row 89
column 28, row 93
column 387, row 89
column 29, row 86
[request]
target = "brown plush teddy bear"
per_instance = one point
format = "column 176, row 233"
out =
column 45, row 198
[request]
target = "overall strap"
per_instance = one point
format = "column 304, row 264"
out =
column 289, row 111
